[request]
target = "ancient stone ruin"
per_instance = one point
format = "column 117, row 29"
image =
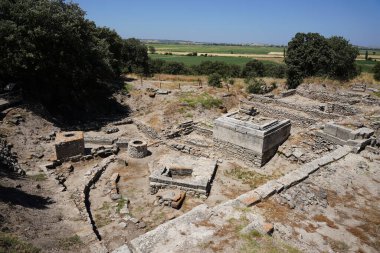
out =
column 137, row 149
column 356, row 138
column 69, row 144
column 251, row 138
column 184, row 172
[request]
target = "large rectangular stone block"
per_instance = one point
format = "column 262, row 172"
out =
column 69, row 144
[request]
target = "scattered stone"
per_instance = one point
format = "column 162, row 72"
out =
column 112, row 130
column 141, row 224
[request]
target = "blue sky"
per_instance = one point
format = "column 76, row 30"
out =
column 238, row 21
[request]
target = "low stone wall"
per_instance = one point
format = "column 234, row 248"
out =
column 269, row 110
column 276, row 186
column 245, row 155
column 288, row 93
column 147, row 130
column 203, row 131
column 331, row 110
column 345, row 98
column 82, row 196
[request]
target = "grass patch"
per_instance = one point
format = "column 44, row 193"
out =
column 377, row 94
column 204, row 100
column 253, row 179
column 12, row 244
column 70, row 242
column 128, row 87
column 120, row 204
column 102, row 220
column 39, row 177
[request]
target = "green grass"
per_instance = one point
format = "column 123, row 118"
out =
column 69, row 242
column 120, row 204
column 128, row 87
column 366, row 66
column 253, row 179
column 39, row 177
column 12, row 244
column 196, row 60
column 205, row 100
column 216, row 49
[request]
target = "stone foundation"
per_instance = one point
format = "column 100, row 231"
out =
column 251, row 139
column 69, row 144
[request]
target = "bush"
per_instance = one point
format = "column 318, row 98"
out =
column 175, row 68
column 376, row 71
column 215, row 80
column 275, row 70
column 192, row 54
column 255, row 86
column 254, row 68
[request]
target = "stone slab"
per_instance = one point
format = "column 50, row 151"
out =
column 250, row 198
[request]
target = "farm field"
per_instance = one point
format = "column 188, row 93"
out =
column 366, row 65
column 241, row 61
column 195, row 60
column 224, row 49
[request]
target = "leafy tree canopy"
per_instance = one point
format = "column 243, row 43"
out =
column 311, row 54
column 57, row 55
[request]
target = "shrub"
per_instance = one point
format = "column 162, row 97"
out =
column 255, row 86
column 254, row 68
column 275, row 70
column 215, row 80
column 376, row 71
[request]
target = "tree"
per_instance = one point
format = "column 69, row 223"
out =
column 343, row 58
column 366, row 55
column 215, row 80
column 151, row 49
column 313, row 55
column 59, row 57
column 135, row 57
column 376, row 71
column 253, row 68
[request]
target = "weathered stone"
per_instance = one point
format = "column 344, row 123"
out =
column 258, row 138
column 69, row 144
column 137, row 149
column 250, row 198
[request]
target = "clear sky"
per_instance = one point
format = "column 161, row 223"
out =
column 238, row 21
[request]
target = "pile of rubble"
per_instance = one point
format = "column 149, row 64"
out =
column 8, row 159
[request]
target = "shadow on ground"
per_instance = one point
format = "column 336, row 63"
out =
column 16, row 196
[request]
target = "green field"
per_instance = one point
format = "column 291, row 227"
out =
column 367, row 66
column 221, row 49
column 195, row 60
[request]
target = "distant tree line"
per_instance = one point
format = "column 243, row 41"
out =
column 253, row 68
column 61, row 58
